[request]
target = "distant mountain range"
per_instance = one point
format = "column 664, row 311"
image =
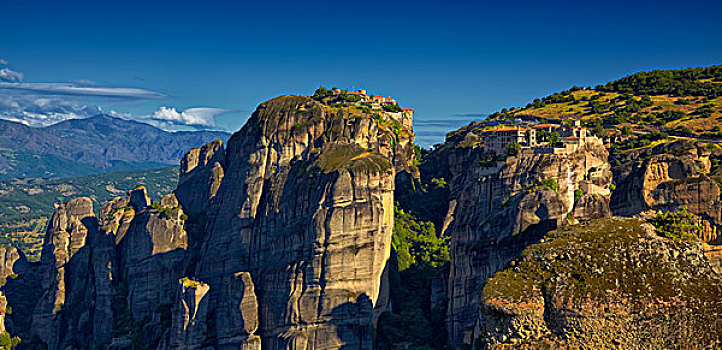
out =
column 94, row 145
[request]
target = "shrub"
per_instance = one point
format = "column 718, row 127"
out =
column 550, row 184
column 392, row 108
column 578, row 193
column 416, row 242
column 677, row 225
column 7, row 342
column 513, row 148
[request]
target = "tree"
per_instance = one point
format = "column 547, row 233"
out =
column 392, row 108
column 677, row 225
column 513, row 149
column 578, row 193
column 626, row 130
column 550, row 184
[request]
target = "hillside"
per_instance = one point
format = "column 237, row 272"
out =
column 320, row 225
column 685, row 103
column 27, row 204
column 94, row 145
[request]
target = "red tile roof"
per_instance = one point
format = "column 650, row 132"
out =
column 544, row 126
column 506, row 128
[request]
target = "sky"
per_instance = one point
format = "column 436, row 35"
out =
column 208, row 64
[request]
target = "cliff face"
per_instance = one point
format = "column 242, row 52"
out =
column 102, row 275
column 282, row 239
column 305, row 207
column 667, row 178
column 612, row 283
column 498, row 209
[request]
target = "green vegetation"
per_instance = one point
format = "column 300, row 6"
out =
column 168, row 213
column 420, row 259
column 513, row 148
column 578, row 194
column 687, row 102
column 7, row 342
column 550, row 184
column 27, row 204
column 421, row 256
column 685, row 82
column 677, row 225
column 336, row 156
column 416, row 242
column 640, row 141
column 607, row 262
column 187, row 282
column 392, row 108
column 551, row 137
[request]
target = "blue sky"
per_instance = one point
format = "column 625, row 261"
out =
column 452, row 61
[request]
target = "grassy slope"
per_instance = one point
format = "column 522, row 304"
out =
column 27, row 204
column 698, row 124
column 686, row 102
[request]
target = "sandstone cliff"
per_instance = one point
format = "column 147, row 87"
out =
column 104, row 275
column 280, row 239
column 610, row 284
column 498, row 208
column 668, row 177
column 304, row 207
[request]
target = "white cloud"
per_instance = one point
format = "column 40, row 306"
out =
column 42, row 111
column 69, row 89
column 43, row 104
column 6, row 74
column 3, row 62
column 199, row 117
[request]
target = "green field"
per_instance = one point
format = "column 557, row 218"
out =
column 27, row 204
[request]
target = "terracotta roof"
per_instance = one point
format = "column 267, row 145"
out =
column 407, row 109
column 571, row 138
column 355, row 93
column 506, row 128
column 544, row 126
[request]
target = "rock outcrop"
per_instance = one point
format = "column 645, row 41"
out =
column 305, row 206
column 669, row 177
column 188, row 329
column 499, row 208
column 282, row 239
column 102, row 276
column 612, row 284
column 201, row 172
column 64, row 260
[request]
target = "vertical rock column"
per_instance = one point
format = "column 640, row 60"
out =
column 69, row 227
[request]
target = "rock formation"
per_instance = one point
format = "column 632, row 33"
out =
column 282, row 239
column 669, row 177
column 610, row 284
column 498, row 209
column 305, row 206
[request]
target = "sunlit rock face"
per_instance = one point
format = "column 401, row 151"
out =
column 670, row 177
column 498, row 209
column 305, row 207
column 612, row 283
column 281, row 239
